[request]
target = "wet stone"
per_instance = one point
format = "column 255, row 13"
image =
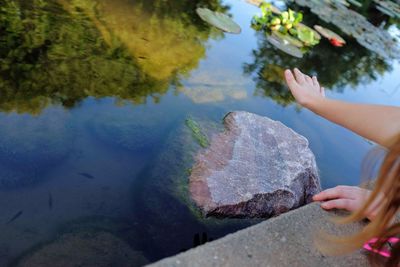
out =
column 256, row 168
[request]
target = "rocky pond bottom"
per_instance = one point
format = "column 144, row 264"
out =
column 256, row 168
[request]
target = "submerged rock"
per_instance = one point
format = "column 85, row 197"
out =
column 256, row 168
column 85, row 249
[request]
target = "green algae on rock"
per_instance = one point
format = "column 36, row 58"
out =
column 219, row 20
column 197, row 133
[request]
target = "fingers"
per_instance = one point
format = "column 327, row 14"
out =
column 309, row 80
column 290, row 80
column 345, row 204
column 322, row 91
column 299, row 76
column 315, row 81
column 336, row 192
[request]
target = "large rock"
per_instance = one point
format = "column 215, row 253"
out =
column 256, row 168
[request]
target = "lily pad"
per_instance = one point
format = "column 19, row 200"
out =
column 355, row 3
column 288, row 38
column 302, row 26
column 284, row 46
column 258, row 3
column 219, row 20
column 389, row 8
column 356, row 25
column 329, row 34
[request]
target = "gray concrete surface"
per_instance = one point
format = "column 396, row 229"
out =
column 286, row 240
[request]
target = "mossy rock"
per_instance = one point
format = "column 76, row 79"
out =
column 98, row 249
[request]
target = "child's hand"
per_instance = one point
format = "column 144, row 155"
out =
column 304, row 88
column 350, row 198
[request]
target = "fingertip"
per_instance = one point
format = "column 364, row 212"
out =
column 325, row 206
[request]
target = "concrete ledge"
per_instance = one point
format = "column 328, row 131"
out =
column 286, row 240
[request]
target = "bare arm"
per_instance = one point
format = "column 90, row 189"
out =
column 380, row 124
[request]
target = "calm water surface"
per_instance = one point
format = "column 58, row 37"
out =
column 93, row 100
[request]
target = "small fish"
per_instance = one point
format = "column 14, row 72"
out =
column 19, row 213
column 50, row 201
column 145, row 39
column 142, row 57
column 86, row 175
column 336, row 42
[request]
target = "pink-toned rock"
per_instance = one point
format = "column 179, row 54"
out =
column 256, row 168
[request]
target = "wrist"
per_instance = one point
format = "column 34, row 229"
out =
column 312, row 103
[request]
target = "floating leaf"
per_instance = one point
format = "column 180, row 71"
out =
column 389, row 8
column 355, row 3
column 218, row 20
column 284, row 46
column 291, row 40
column 329, row 34
column 316, row 34
column 307, row 36
column 255, row 2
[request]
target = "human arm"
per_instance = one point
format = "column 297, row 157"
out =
column 378, row 123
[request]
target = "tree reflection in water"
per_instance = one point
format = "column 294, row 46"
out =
column 63, row 51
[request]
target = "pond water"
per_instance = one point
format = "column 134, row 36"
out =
column 93, row 100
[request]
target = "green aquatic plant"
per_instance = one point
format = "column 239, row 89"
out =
column 197, row 133
column 285, row 30
column 276, row 21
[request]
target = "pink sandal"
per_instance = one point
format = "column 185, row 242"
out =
column 383, row 252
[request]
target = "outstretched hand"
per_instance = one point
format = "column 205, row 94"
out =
column 304, row 88
column 350, row 198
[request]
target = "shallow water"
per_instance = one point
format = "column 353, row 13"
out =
column 93, row 102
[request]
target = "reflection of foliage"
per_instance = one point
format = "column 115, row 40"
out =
column 68, row 50
column 356, row 65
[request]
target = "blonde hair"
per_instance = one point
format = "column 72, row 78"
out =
column 387, row 193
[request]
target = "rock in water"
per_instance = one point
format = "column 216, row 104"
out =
column 256, row 168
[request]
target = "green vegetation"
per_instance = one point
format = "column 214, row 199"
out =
column 283, row 21
column 197, row 133
column 285, row 26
